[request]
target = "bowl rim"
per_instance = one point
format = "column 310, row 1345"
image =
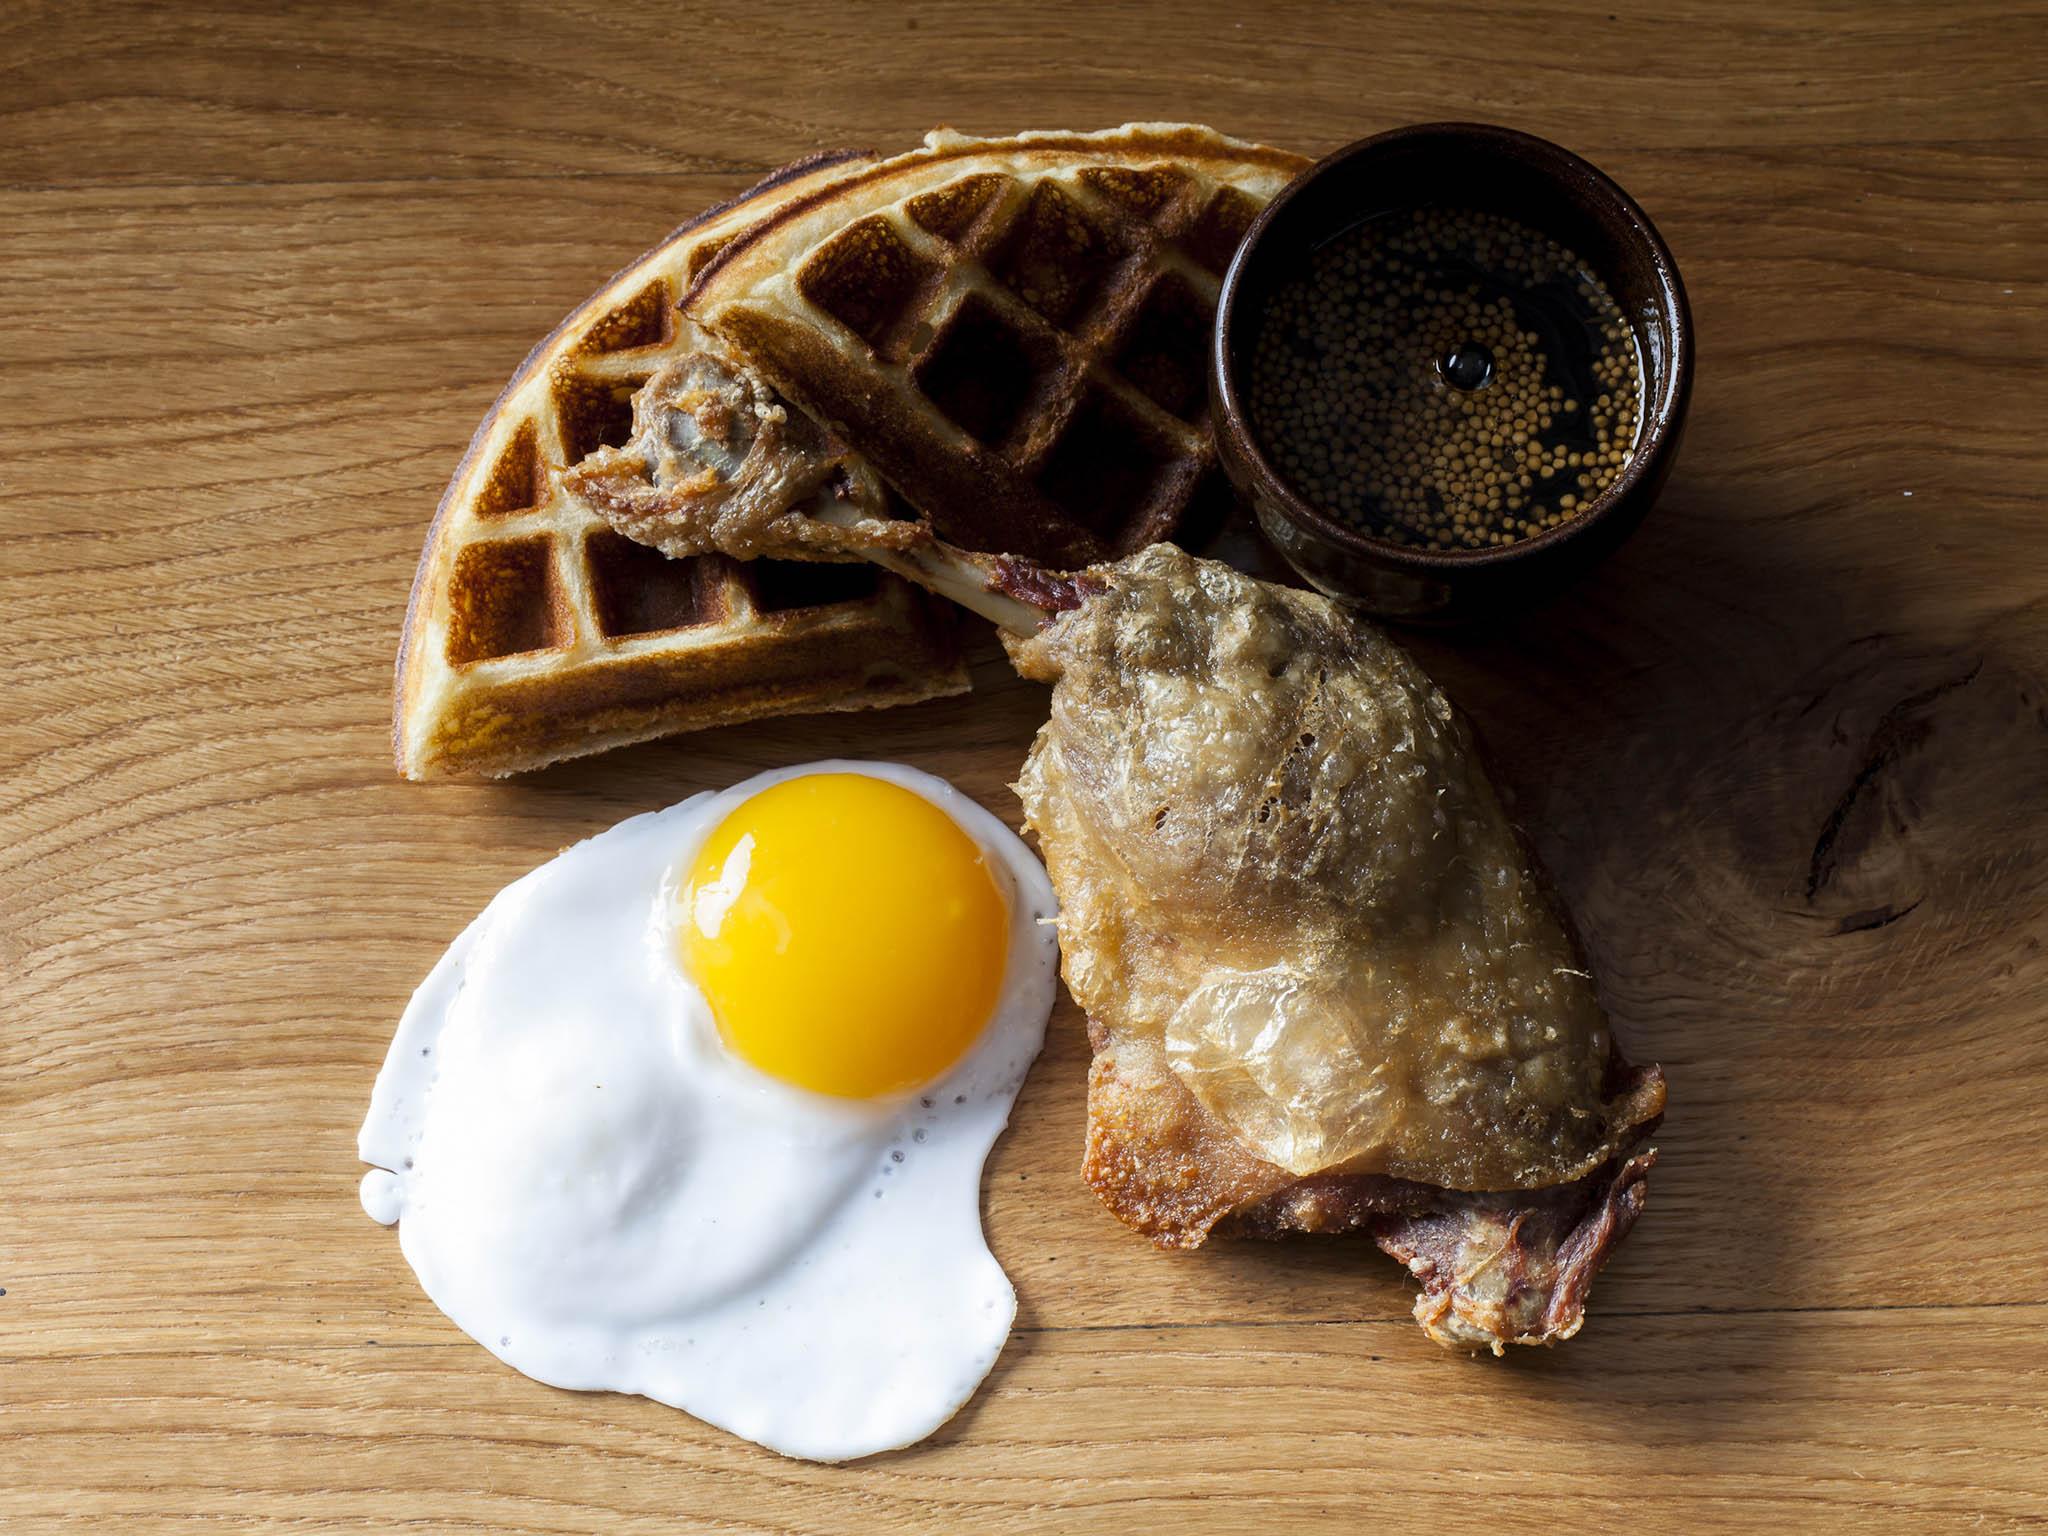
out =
column 1583, row 183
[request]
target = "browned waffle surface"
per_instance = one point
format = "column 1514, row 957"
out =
column 1013, row 332
column 536, row 633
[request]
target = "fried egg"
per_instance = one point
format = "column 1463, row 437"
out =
column 698, row 1109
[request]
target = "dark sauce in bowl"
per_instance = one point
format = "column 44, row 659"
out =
column 1445, row 378
column 1357, row 480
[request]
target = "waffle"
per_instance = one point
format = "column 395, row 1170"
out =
column 1012, row 332
column 536, row 632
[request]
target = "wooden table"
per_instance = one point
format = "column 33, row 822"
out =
column 259, row 276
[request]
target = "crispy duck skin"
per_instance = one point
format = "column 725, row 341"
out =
column 1326, row 986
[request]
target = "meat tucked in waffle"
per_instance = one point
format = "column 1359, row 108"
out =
column 537, row 632
column 1008, row 334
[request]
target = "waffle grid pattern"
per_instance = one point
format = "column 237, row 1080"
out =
column 540, row 633
column 1051, row 328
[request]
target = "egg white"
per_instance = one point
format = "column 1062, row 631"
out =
column 592, row 1187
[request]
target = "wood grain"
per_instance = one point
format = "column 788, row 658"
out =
column 1787, row 755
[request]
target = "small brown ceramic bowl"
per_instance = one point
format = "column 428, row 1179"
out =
column 1493, row 170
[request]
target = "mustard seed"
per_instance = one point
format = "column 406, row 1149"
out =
column 1447, row 378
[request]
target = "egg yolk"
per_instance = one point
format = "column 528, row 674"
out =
column 849, row 937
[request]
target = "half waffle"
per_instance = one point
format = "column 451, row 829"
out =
column 1012, row 332
column 535, row 632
